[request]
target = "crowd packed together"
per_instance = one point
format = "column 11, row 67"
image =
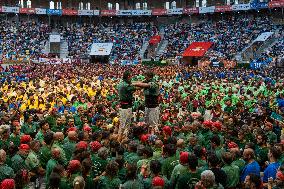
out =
column 127, row 39
column 217, row 128
column 230, row 36
column 22, row 41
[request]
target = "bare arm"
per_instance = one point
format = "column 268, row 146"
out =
column 140, row 84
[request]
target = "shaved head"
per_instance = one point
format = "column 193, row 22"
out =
column 180, row 143
column 72, row 135
column 55, row 153
column 58, row 136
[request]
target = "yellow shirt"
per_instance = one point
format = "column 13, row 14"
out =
column 33, row 106
column 41, row 106
column 23, row 107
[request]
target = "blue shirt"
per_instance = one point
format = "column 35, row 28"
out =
column 270, row 171
column 253, row 168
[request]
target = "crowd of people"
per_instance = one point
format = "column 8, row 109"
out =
column 127, row 39
column 23, row 40
column 217, row 128
column 230, row 35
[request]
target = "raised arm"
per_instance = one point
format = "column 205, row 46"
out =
column 141, row 84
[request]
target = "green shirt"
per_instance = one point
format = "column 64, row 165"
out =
column 29, row 128
column 240, row 163
column 6, row 172
column 178, row 170
column 32, row 161
column 69, row 147
column 153, row 90
column 39, row 136
column 51, row 120
column 261, row 154
column 5, row 144
column 169, row 165
column 132, row 184
column 108, row 183
column 99, row 165
column 18, row 163
column 58, row 145
column 44, row 155
column 233, row 175
column 188, row 180
column 49, row 168
column 132, row 158
column 16, row 139
column 125, row 91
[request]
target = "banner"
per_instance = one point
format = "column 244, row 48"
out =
column 69, row 12
column 40, row 11
column 10, row 9
column 71, row 61
column 190, row 10
column 108, row 12
column 50, row 60
column 264, row 36
column 197, row 49
column 0, row 9
column 203, row 10
column 54, row 38
column 133, row 12
column 175, row 11
column 274, row 4
column 155, row 40
column 27, row 11
column 159, row 12
column 85, row 12
column 225, row 8
column 101, row 49
column 96, row 12
column 260, row 5
column 54, row 12
column 241, row 7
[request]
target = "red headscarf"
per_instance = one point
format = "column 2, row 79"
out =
column 7, row 184
column 158, row 181
column 73, row 166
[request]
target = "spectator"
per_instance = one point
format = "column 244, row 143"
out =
column 252, row 166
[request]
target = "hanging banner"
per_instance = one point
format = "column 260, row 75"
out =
column 54, row 38
column 69, row 12
column 225, row 8
column 159, row 12
column 275, row 4
column 203, row 10
column 155, row 39
column 54, row 12
column 197, row 49
column 241, row 7
column 260, row 5
column 0, row 9
column 96, row 12
column 101, row 49
column 133, row 12
column 40, row 11
column 175, row 11
column 27, row 11
column 85, row 12
column 108, row 12
column 10, row 9
column 191, row 10
column 264, row 36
